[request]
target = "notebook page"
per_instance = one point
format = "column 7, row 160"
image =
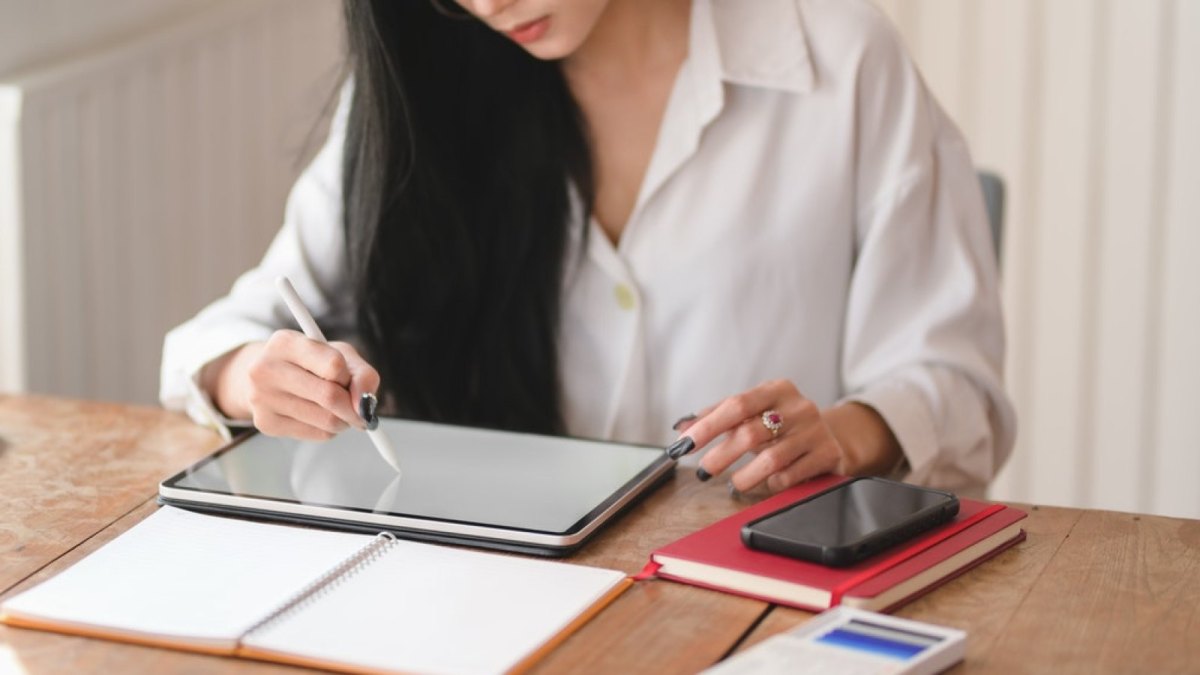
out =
column 431, row 609
column 186, row 577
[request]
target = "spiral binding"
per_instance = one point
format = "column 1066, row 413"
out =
column 368, row 554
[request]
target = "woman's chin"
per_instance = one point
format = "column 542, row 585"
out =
column 551, row 47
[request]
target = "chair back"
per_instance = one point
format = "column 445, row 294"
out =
column 993, row 198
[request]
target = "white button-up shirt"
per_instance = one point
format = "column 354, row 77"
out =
column 809, row 212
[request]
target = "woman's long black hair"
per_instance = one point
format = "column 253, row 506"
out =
column 459, row 153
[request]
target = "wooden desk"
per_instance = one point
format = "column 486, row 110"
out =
column 1088, row 591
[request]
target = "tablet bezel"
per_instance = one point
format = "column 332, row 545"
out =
column 355, row 519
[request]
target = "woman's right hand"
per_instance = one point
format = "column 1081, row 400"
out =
column 292, row 386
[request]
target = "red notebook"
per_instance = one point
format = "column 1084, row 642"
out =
column 715, row 557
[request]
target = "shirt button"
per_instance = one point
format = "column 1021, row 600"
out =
column 625, row 297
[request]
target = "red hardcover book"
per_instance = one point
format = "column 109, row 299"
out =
column 715, row 557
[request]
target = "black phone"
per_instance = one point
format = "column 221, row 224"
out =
column 850, row 521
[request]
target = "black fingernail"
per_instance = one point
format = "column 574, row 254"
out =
column 681, row 447
column 702, row 474
column 366, row 410
column 679, row 422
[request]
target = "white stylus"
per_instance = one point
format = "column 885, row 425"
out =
column 313, row 331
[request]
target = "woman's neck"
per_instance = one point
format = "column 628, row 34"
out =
column 632, row 38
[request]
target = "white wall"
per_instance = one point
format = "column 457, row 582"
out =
column 140, row 175
column 1089, row 109
column 36, row 32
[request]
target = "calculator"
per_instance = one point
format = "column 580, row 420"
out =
column 852, row 641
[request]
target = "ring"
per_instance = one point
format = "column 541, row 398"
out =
column 773, row 421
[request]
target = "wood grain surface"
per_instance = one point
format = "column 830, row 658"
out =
column 1121, row 595
column 1088, row 591
column 68, row 469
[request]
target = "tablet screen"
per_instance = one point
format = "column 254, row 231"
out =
column 510, row 480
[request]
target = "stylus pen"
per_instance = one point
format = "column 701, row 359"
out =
column 313, row 331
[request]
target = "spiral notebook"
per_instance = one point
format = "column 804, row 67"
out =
column 333, row 600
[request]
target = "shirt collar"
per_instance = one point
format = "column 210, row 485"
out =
column 757, row 43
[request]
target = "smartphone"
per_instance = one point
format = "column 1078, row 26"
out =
column 850, row 521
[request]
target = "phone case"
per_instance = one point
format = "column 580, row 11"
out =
column 852, row 552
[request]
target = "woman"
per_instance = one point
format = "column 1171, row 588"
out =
column 593, row 216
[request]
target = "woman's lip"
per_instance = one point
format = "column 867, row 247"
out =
column 528, row 32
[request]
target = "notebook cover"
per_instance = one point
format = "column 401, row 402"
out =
column 103, row 633
column 720, row 545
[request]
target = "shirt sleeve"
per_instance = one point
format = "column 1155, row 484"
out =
column 924, row 341
column 309, row 248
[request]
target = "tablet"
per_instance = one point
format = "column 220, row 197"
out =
column 493, row 489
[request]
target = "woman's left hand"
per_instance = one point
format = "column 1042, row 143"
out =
column 800, row 447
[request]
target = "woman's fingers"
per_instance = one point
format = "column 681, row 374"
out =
column 820, row 460
column 749, row 436
column 319, row 358
column 731, row 412
column 293, row 386
column 802, row 448
column 796, row 457
column 307, row 412
column 684, row 423
column 291, row 369
column 364, row 379
column 274, row 424
column 275, row 377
